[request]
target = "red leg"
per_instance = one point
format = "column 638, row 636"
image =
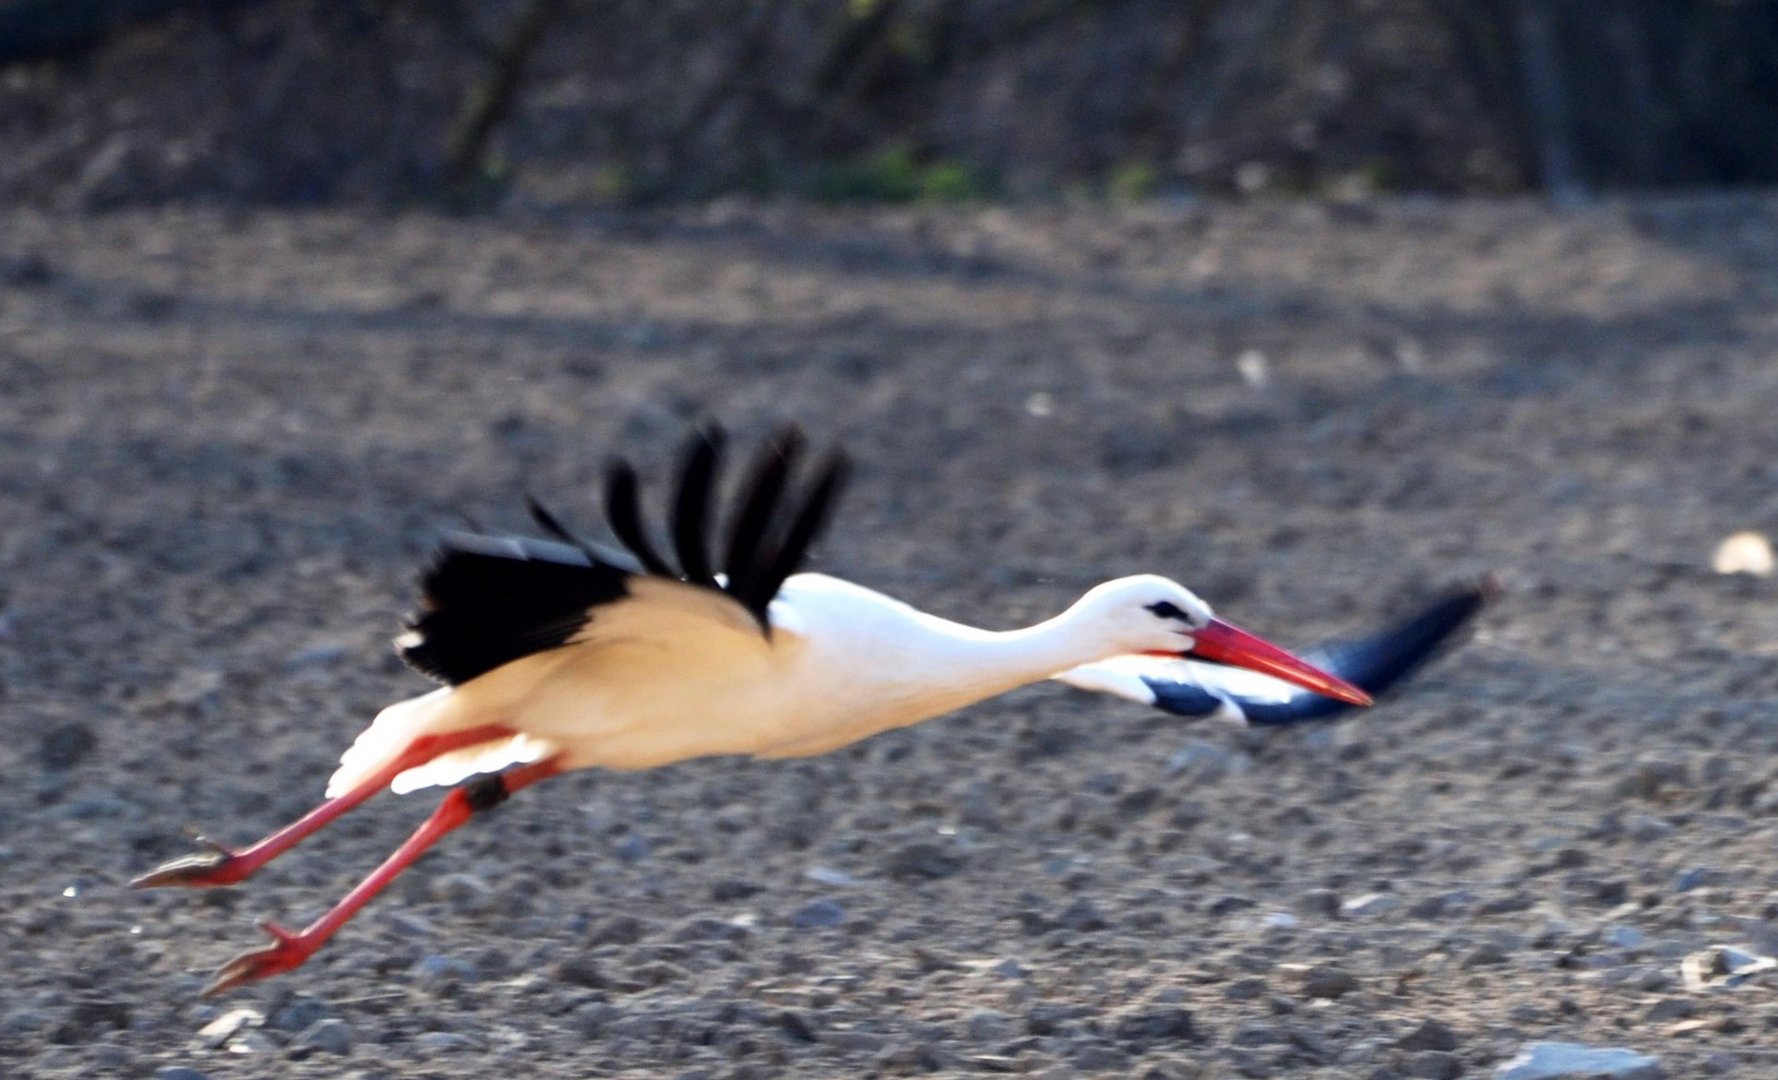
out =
column 290, row 949
column 222, row 866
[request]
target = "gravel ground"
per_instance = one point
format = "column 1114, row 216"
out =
column 226, row 440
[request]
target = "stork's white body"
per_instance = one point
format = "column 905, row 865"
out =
column 677, row 672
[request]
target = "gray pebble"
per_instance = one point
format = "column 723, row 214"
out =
column 330, row 1036
column 922, row 859
column 463, row 892
column 1249, row 989
column 1322, row 902
column 440, row 971
column 727, row 890
column 1556, row 1060
column 1646, row 828
column 1487, row 954
column 299, row 1013
column 66, row 745
column 988, row 1025
column 1083, row 917
column 179, row 1072
column 1159, row 1023
column 1695, row 878
column 1370, row 905
column 1670, row 1009
column 817, row 914
column 1435, row 1065
column 1625, row 937
column 227, row 1026
column 443, row 1042
column 1097, row 1057
column 1430, row 1035
column 827, row 875
column 1328, row 982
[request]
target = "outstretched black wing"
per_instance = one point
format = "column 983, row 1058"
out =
column 488, row 600
column 1375, row 663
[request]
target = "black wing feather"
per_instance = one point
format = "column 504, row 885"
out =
column 807, row 525
column 758, row 502
column 691, row 508
column 488, row 601
column 623, row 513
column 762, row 550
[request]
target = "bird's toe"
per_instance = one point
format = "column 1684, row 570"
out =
column 288, row 951
column 218, row 866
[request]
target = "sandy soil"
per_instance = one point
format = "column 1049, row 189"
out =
column 227, row 440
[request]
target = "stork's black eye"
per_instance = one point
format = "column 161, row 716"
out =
column 1166, row 609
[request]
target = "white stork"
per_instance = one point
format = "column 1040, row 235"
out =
column 559, row 654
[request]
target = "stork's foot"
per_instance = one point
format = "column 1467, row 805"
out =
column 288, row 951
column 218, row 866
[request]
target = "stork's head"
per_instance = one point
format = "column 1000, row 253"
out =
column 1160, row 617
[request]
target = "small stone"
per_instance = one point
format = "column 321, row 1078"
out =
column 1647, row 829
column 1328, row 982
column 252, row 1041
column 443, row 1042
column 988, row 1026
column 797, row 1026
column 299, row 1013
column 464, row 892
column 1744, row 552
column 922, row 859
column 729, row 889
column 29, row 270
column 331, row 1036
column 1159, row 1023
column 1098, row 1058
column 440, row 972
column 1625, row 937
column 66, row 745
column 179, row 1072
column 1695, row 878
column 1722, row 966
column 1319, row 902
column 1557, row 1060
column 1435, row 1065
column 1430, row 1035
column 226, row 1026
column 581, row 971
column 1670, row 1009
column 1250, row 989
column 618, row 930
column 1370, row 905
column 633, row 848
column 1254, row 1033
column 827, row 875
column 1487, row 954
column 1083, row 917
column 818, row 914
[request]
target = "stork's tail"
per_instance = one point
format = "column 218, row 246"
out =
column 396, row 728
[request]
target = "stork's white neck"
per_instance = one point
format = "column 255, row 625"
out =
column 964, row 664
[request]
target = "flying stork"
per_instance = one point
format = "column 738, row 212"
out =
column 562, row 654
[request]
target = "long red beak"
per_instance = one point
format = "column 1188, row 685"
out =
column 1225, row 643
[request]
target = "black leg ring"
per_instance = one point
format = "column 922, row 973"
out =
column 485, row 792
